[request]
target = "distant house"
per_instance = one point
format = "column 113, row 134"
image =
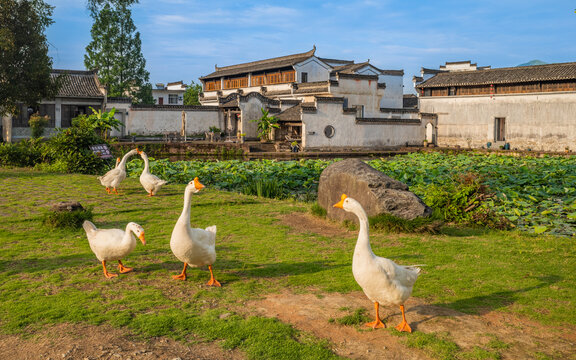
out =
column 322, row 103
column 169, row 94
column 80, row 90
column 524, row 107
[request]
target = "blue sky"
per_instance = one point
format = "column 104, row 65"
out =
column 183, row 40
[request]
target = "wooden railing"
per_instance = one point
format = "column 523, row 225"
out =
column 212, row 85
column 256, row 80
column 236, row 83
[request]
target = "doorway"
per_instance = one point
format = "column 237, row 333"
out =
column 499, row 129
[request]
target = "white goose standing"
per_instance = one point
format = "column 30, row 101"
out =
column 113, row 244
column 382, row 280
column 149, row 181
column 114, row 177
column 194, row 247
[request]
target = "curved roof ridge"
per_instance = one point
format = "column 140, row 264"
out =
column 258, row 62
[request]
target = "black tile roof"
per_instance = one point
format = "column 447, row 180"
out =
column 519, row 74
column 79, row 84
column 292, row 114
column 261, row 65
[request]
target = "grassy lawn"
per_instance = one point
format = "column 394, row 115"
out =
column 50, row 276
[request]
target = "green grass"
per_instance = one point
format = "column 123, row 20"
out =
column 50, row 276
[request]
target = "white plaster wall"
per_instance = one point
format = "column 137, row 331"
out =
column 544, row 121
column 394, row 92
column 316, row 69
column 251, row 110
column 350, row 135
column 359, row 92
column 154, row 122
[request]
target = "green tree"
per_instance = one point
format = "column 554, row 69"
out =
column 116, row 51
column 24, row 62
column 192, row 93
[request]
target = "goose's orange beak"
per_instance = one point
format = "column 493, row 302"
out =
column 197, row 184
column 341, row 202
column 139, row 151
column 141, row 237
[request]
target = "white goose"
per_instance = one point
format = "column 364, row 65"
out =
column 149, row 181
column 113, row 244
column 114, row 177
column 194, row 247
column 383, row 281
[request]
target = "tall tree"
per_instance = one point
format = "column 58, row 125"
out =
column 24, row 62
column 116, row 51
column 192, row 93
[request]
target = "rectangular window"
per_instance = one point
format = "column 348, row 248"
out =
column 499, row 129
column 160, row 101
column 304, row 77
column 452, row 91
column 173, row 99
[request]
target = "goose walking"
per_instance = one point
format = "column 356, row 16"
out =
column 194, row 247
column 382, row 280
column 113, row 244
column 149, row 181
column 114, row 177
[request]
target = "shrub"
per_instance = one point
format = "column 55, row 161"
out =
column 391, row 223
column 69, row 150
column 37, row 124
column 66, row 219
column 462, row 200
column 21, row 154
column 263, row 187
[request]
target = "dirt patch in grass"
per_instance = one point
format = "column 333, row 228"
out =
column 312, row 313
column 307, row 223
column 76, row 341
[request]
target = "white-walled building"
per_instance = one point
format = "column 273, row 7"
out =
column 169, row 94
column 79, row 91
column 321, row 103
column 524, row 107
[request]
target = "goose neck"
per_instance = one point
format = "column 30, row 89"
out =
column 363, row 235
column 146, row 165
column 185, row 216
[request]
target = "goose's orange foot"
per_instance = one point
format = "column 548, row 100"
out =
column 179, row 277
column 106, row 273
column 116, row 191
column 213, row 282
column 123, row 269
column 376, row 324
column 109, row 275
column 404, row 327
column 108, row 190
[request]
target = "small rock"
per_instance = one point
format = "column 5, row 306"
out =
column 224, row 316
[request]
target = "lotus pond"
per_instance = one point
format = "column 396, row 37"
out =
column 535, row 194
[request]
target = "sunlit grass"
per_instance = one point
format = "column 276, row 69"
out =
column 51, row 276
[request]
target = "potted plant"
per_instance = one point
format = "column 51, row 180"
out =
column 265, row 125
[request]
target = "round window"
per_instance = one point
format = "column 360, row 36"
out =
column 329, row 131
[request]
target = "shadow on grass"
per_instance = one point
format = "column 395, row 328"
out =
column 46, row 264
column 478, row 305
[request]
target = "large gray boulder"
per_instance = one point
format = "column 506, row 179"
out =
column 377, row 192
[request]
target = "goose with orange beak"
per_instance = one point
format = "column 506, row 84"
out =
column 192, row 246
column 113, row 244
column 383, row 281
